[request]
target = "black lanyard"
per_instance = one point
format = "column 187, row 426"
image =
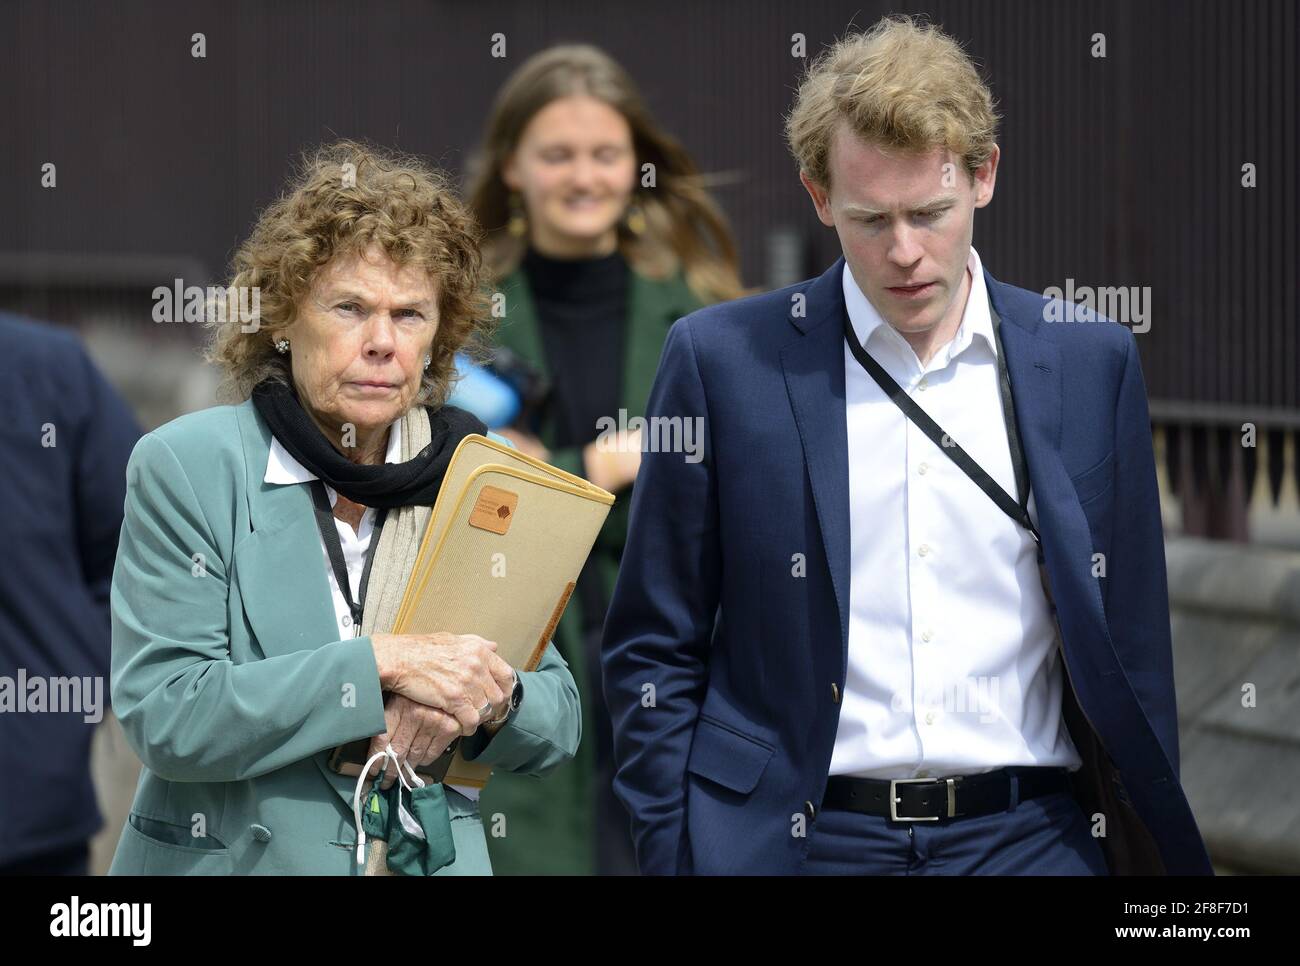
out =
column 1016, row 510
column 334, row 547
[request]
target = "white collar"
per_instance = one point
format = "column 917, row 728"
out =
column 281, row 467
column 976, row 319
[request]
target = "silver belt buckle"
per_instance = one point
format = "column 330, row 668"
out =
column 893, row 799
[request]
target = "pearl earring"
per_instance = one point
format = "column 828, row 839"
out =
column 282, row 346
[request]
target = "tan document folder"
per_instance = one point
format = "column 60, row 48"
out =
column 503, row 549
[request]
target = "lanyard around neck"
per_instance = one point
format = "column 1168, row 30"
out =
column 334, row 547
column 1017, row 510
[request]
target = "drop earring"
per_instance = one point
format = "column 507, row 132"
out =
column 428, row 361
column 518, row 223
column 635, row 219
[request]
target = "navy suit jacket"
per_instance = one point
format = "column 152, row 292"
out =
column 722, row 673
column 62, row 491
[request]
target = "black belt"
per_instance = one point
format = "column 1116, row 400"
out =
column 931, row 799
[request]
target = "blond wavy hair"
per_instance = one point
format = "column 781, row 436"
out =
column 902, row 84
column 342, row 199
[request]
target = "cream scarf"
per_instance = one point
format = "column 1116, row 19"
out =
column 390, row 571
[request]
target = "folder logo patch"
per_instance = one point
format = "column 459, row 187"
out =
column 494, row 510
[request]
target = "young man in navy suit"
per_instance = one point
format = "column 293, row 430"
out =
column 908, row 613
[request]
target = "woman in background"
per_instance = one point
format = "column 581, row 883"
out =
column 600, row 236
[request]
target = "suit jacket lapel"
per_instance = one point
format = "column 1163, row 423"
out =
column 814, row 378
column 1034, row 367
column 281, row 570
column 652, row 307
column 519, row 328
column 280, row 567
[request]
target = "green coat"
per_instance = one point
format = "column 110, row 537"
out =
column 551, row 830
column 230, row 681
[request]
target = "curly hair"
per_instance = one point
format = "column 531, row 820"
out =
column 344, row 198
column 903, row 84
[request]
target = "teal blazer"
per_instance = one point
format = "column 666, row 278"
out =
column 230, row 681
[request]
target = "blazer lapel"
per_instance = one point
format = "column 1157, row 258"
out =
column 814, row 379
column 518, row 331
column 281, row 570
column 652, row 307
column 279, row 566
column 1034, row 367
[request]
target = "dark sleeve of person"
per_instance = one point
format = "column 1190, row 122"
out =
column 1139, row 590
column 659, row 623
column 106, row 434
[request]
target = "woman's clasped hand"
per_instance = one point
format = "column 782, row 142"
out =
column 439, row 684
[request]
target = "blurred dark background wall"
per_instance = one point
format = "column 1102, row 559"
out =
column 1117, row 170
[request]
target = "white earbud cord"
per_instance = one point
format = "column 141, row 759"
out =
column 403, row 816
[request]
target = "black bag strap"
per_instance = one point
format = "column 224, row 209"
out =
column 334, row 547
column 1017, row 510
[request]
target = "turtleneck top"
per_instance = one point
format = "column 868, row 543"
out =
column 581, row 309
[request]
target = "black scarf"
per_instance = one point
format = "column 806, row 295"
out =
column 413, row 483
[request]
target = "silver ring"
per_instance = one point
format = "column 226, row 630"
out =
column 484, row 711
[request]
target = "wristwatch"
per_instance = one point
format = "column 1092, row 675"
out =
column 516, row 697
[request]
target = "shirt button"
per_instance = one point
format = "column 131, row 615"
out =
column 923, row 773
column 922, row 468
column 347, row 620
column 926, row 637
column 929, row 717
column 924, row 549
column 922, row 385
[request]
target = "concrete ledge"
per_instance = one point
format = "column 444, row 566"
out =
column 1233, row 578
column 1235, row 615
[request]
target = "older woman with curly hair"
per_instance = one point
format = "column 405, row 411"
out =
column 266, row 546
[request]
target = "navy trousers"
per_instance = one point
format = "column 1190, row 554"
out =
column 1046, row 835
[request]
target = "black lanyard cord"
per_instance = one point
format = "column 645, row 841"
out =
column 334, row 547
column 1016, row 510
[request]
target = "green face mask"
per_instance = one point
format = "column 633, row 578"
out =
column 412, row 818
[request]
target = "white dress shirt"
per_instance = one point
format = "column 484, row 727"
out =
column 281, row 467
column 953, row 663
